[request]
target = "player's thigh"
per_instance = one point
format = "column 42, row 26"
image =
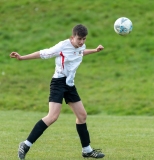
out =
column 53, row 114
column 79, row 110
column 54, row 109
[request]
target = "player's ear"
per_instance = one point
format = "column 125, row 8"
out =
column 71, row 37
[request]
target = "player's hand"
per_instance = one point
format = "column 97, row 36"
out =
column 15, row 55
column 99, row 48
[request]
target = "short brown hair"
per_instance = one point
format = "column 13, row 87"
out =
column 80, row 30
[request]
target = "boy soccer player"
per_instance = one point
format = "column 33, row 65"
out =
column 68, row 56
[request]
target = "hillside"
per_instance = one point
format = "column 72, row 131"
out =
column 118, row 80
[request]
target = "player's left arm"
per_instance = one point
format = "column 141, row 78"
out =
column 90, row 51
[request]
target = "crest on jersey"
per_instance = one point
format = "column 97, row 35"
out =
column 80, row 52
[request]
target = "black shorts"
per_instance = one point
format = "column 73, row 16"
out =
column 59, row 90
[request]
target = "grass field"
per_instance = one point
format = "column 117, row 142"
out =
column 114, row 85
column 120, row 137
column 117, row 81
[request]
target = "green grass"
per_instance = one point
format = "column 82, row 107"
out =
column 118, row 80
column 120, row 137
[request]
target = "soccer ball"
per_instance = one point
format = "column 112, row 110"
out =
column 123, row 26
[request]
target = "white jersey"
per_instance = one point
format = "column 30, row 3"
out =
column 68, row 59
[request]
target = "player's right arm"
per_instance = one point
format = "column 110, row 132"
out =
column 44, row 54
column 34, row 55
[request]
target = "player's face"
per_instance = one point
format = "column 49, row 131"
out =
column 78, row 41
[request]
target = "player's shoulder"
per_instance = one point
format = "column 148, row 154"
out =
column 84, row 45
column 64, row 42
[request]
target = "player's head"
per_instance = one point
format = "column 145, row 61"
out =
column 80, row 30
column 79, row 34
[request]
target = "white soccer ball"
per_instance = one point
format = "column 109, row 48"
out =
column 123, row 26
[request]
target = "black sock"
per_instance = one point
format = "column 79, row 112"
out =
column 83, row 134
column 37, row 131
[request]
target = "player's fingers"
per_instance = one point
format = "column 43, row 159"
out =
column 13, row 54
column 101, row 47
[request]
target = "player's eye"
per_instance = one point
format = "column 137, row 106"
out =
column 79, row 38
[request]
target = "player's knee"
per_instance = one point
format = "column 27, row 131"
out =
column 54, row 119
column 50, row 120
column 82, row 118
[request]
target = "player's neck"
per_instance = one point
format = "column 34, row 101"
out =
column 75, row 46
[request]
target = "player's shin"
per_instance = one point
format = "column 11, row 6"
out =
column 37, row 131
column 83, row 134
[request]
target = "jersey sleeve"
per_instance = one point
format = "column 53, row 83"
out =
column 51, row 52
column 84, row 46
